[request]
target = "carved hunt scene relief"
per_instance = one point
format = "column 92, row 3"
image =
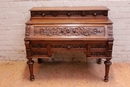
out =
column 69, row 31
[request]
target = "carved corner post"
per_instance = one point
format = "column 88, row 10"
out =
column 109, row 51
column 30, row 62
column 108, row 62
column 107, row 66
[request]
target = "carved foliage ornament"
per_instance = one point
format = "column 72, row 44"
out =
column 27, row 33
column 69, row 31
column 110, row 30
column 68, row 13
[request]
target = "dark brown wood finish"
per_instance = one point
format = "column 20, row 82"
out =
column 84, row 29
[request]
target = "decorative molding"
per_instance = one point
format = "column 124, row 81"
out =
column 67, row 13
column 69, row 31
column 70, row 46
column 110, row 31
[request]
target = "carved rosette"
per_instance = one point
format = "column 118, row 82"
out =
column 27, row 30
column 69, row 31
column 110, row 31
column 68, row 13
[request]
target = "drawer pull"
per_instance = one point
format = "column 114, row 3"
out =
column 94, row 14
column 68, row 46
column 43, row 14
column 98, row 54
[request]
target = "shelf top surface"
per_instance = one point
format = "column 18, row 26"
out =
column 68, row 21
column 95, row 8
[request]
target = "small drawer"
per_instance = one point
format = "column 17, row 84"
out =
column 68, row 47
column 38, row 45
column 98, row 46
column 98, row 50
column 98, row 54
column 39, row 52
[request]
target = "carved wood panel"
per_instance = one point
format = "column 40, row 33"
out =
column 27, row 30
column 70, row 46
column 69, row 31
column 110, row 31
column 67, row 13
column 98, row 45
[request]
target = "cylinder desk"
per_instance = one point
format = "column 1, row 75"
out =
column 54, row 29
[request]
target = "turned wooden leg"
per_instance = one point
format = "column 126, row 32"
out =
column 107, row 66
column 99, row 61
column 30, row 63
column 39, row 60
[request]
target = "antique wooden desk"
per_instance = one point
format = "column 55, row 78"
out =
column 84, row 29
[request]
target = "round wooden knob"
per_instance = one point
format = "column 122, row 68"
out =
column 94, row 14
column 98, row 54
column 43, row 14
column 68, row 14
column 68, row 46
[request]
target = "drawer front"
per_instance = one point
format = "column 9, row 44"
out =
column 98, row 50
column 49, row 47
column 69, row 46
column 90, row 49
column 38, row 48
column 38, row 44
